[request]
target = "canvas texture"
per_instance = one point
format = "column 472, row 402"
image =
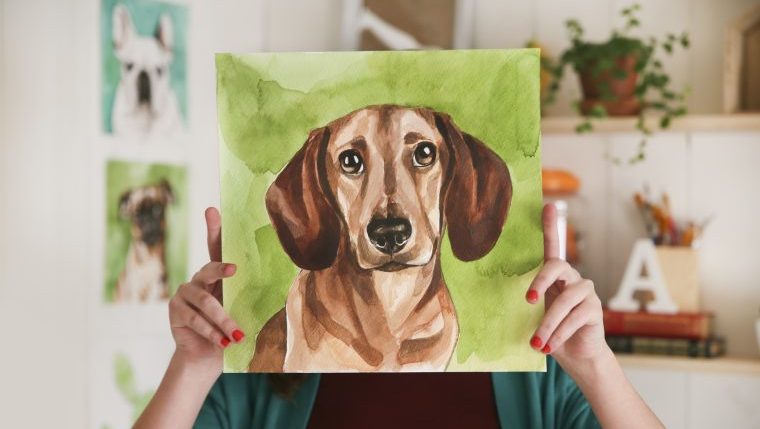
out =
column 268, row 104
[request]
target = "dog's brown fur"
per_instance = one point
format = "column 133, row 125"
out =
column 144, row 276
column 352, row 307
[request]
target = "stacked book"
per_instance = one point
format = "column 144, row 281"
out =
column 680, row 334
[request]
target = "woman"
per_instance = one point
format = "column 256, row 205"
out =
column 587, row 389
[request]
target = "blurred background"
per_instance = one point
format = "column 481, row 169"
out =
column 658, row 183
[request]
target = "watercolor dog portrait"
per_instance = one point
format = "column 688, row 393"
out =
column 383, row 209
column 146, row 231
column 143, row 50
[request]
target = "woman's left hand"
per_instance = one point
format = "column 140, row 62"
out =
column 572, row 329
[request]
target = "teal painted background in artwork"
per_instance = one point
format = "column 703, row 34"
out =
column 268, row 103
column 145, row 15
column 122, row 176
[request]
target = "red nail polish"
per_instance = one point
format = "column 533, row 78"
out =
column 229, row 269
column 238, row 335
column 532, row 296
column 224, row 342
column 535, row 342
column 546, row 349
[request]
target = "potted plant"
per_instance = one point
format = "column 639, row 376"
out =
column 621, row 77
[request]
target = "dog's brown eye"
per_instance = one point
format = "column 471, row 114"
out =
column 351, row 162
column 424, row 154
column 129, row 66
column 159, row 71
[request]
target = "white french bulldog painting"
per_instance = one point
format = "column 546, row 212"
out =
column 145, row 103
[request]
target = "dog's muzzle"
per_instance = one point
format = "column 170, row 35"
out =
column 143, row 88
column 389, row 235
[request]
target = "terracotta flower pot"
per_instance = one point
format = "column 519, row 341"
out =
column 625, row 102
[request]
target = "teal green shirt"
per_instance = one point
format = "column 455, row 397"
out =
column 529, row 400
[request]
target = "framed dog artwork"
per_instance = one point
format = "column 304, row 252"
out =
column 144, row 56
column 383, row 208
column 146, row 231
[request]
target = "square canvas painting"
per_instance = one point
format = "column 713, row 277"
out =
column 144, row 58
column 383, row 208
column 146, row 231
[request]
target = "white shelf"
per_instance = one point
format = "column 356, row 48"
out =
column 676, row 363
column 717, row 122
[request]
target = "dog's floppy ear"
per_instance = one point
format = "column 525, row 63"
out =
column 306, row 223
column 166, row 187
column 122, row 29
column 478, row 193
column 165, row 32
column 124, row 204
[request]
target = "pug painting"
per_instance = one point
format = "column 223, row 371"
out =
column 144, row 103
column 144, row 278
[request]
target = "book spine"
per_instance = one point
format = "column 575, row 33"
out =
column 690, row 326
column 711, row 347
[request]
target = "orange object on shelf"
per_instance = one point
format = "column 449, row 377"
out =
column 559, row 182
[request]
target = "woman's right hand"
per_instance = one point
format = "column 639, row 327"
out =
column 201, row 330
column 200, row 326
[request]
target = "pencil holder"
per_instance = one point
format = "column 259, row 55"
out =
column 680, row 269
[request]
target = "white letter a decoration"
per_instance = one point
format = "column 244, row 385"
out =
column 643, row 259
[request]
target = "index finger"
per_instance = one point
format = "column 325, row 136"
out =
column 551, row 236
column 214, row 234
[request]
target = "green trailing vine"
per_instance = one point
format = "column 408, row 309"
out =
column 653, row 86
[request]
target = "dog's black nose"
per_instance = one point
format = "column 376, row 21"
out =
column 389, row 235
column 143, row 88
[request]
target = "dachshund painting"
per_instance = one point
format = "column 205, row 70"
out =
column 362, row 209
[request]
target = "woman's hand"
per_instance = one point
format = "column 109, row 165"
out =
column 572, row 329
column 199, row 324
column 573, row 332
column 201, row 330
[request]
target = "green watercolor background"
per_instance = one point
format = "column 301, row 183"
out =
column 124, row 379
column 145, row 15
column 268, row 103
column 122, row 176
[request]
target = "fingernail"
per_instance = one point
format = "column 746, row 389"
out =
column 224, row 342
column 535, row 342
column 546, row 349
column 229, row 269
column 532, row 296
column 238, row 335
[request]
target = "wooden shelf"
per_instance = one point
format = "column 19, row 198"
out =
column 717, row 122
column 676, row 363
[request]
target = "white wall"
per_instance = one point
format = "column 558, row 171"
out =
column 50, row 144
column 50, row 176
column 43, row 277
